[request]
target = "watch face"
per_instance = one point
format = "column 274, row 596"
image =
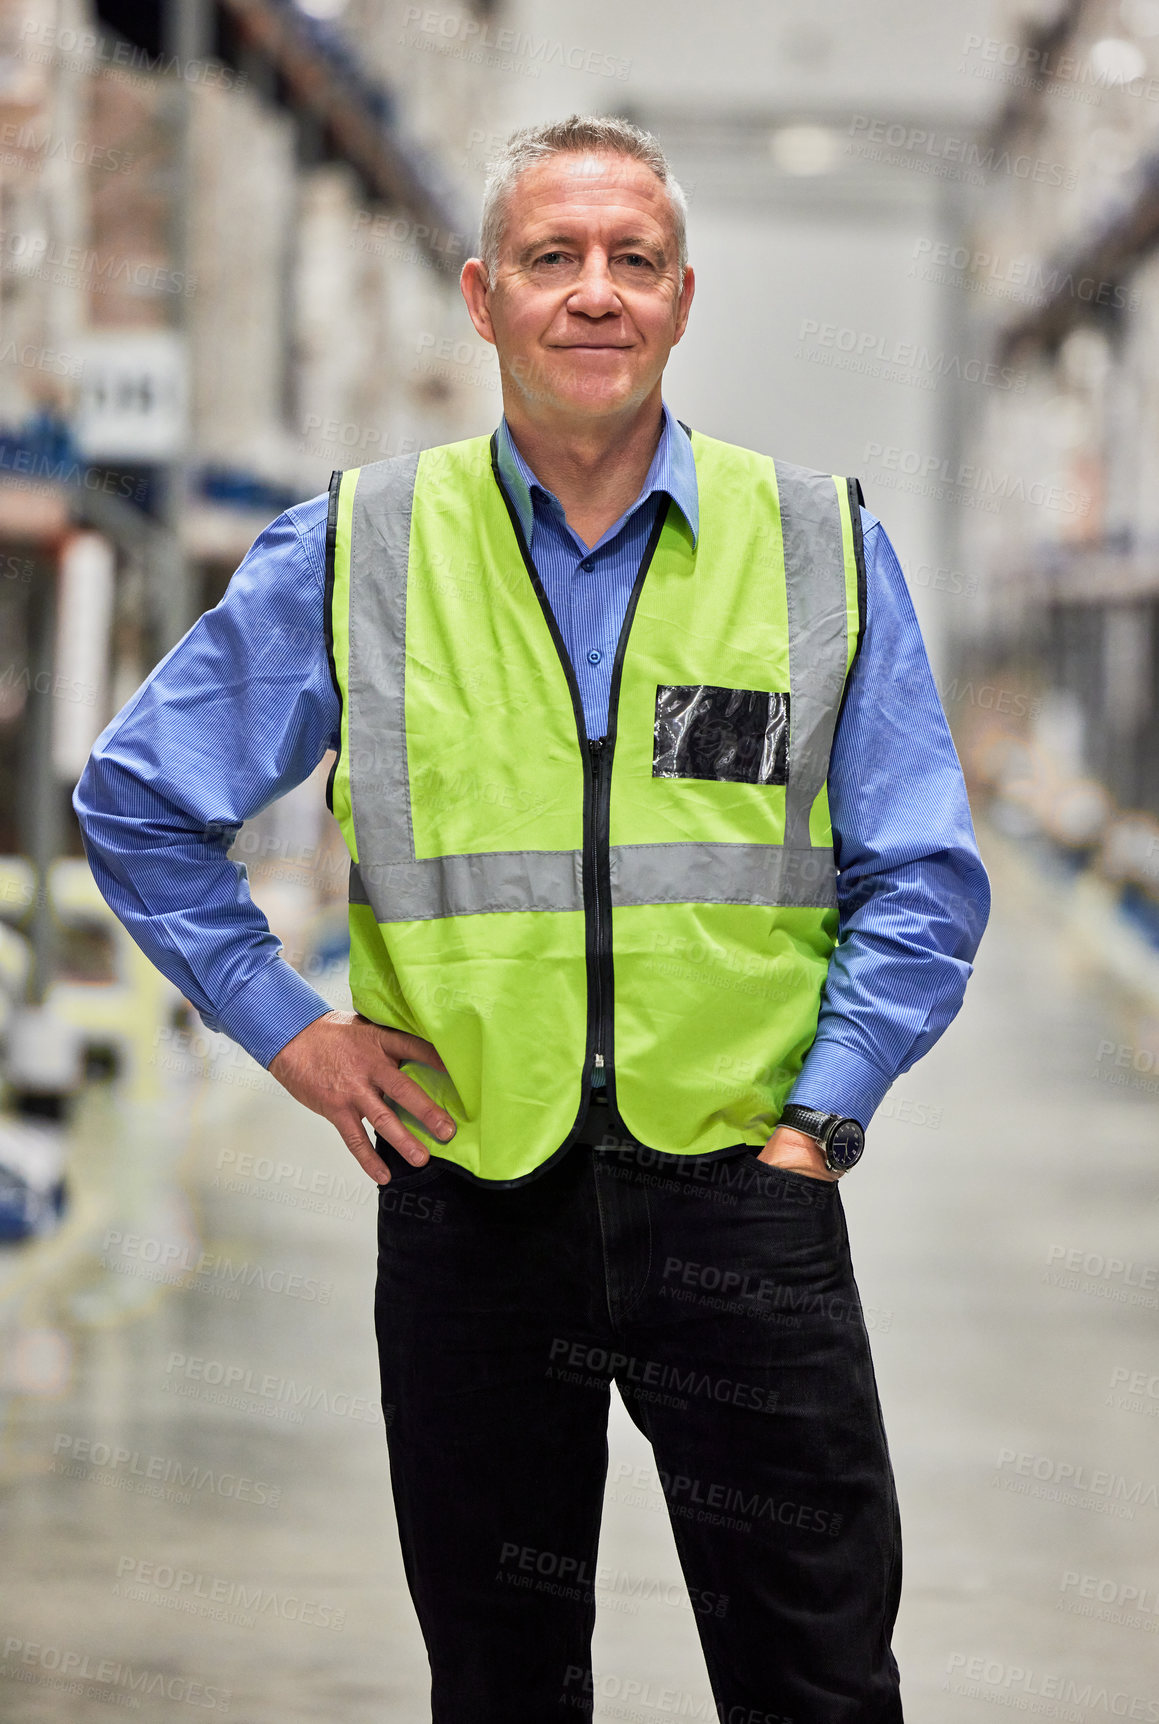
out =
column 846, row 1144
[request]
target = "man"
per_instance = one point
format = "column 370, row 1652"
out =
column 662, row 870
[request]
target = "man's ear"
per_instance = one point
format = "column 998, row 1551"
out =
column 684, row 304
column 475, row 286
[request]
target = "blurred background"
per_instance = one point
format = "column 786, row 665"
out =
column 927, row 249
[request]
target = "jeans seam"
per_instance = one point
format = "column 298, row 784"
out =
column 710, row 1662
column 895, row 1557
column 626, row 1305
column 603, row 1242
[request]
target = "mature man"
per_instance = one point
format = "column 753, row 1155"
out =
column 662, row 870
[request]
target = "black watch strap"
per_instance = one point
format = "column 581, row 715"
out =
column 807, row 1119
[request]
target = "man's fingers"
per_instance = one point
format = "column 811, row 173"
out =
column 403, row 1091
column 404, row 1046
column 388, row 1125
column 353, row 1134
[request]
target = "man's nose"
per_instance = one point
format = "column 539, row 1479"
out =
column 594, row 294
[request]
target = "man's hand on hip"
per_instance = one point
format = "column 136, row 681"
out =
column 345, row 1067
column 800, row 1154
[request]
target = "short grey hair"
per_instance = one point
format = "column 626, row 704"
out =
column 581, row 134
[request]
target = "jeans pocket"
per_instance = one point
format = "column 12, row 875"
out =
column 805, row 1191
column 404, row 1172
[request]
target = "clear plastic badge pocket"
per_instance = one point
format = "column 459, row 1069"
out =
column 733, row 735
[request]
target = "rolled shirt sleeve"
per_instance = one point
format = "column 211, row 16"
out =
column 912, row 893
column 240, row 711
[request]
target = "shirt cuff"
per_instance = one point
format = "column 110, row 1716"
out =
column 833, row 1079
column 270, row 1010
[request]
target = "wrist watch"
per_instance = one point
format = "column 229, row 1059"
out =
column 841, row 1140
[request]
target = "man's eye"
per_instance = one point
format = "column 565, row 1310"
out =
column 637, row 260
column 550, row 257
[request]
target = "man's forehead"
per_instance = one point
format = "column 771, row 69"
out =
column 572, row 177
column 551, row 198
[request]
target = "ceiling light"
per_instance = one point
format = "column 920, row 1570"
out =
column 1117, row 60
column 805, row 149
column 323, row 9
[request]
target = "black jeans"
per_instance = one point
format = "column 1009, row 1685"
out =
column 719, row 1295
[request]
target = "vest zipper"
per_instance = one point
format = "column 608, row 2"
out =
column 602, row 751
column 600, row 868
column 597, row 880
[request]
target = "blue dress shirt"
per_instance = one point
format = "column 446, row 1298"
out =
column 243, row 708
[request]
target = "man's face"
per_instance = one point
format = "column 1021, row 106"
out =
column 587, row 301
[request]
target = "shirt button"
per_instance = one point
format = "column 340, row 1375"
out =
column 595, row 656
column 586, row 565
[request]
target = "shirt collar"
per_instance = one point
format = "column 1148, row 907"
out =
column 673, row 471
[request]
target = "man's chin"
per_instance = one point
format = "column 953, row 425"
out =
column 583, row 397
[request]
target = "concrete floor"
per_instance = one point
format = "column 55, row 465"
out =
column 1005, row 1178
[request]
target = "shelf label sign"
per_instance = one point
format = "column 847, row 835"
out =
column 133, row 396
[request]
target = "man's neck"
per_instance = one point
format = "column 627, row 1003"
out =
column 596, row 471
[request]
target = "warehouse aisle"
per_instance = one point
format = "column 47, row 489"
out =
column 196, row 1498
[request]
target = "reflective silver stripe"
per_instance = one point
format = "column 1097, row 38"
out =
column 402, row 888
column 818, row 647
column 640, row 874
column 723, row 874
column 376, row 734
column 470, row 885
